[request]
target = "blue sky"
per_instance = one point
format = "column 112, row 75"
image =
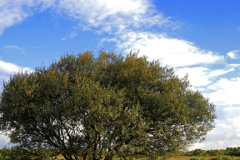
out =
column 201, row 38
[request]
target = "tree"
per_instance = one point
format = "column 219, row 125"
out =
column 99, row 107
column 199, row 152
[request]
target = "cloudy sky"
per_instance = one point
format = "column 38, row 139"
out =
column 201, row 38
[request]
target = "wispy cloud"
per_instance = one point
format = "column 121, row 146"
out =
column 233, row 54
column 12, row 12
column 10, row 15
column 201, row 76
column 225, row 91
column 63, row 39
column 170, row 51
column 13, row 48
column 105, row 15
column 72, row 35
column 226, row 133
column 114, row 15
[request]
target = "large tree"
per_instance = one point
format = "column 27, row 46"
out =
column 95, row 107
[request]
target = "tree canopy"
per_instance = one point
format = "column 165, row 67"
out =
column 99, row 107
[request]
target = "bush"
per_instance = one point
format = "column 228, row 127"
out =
column 152, row 157
column 216, row 158
column 224, row 158
column 199, row 152
column 164, row 158
column 228, row 158
column 188, row 154
column 203, row 158
column 194, row 158
column 17, row 153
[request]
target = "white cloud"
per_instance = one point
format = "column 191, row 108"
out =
column 63, row 39
column 170, row 51
column 10, row 68
column 226, row 133
column 12, row 12
column 72, row 35
column 111, row 16
column 219, row 72
column 7, row 69
column 234, row 65
column 225, row 92
column 115, row 15
column 13, row 48
column 197, row 75
column 233, row 54
column 10, row 15
column 201, row 76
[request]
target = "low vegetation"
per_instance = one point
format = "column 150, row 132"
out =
column 18, row 153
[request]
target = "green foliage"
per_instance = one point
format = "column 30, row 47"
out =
column 226, row 153
column 228, row 158
column 97, row 108
column 223, row 158
column 199, row 152
column 18, row 153
column 232, row 151
column 215, row 153
column 189, row 153
column 131, row 158
column 154, row 157
column 194, row 158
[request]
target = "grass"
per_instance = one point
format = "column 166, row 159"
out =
column 60, row 157
column 205, row 158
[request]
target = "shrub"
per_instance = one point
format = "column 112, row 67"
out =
column 199, row 152
column 194, row 158
column 131, row 158
column 216, row 158
column 228, row 158
column 188, row 154
column 152, row 157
